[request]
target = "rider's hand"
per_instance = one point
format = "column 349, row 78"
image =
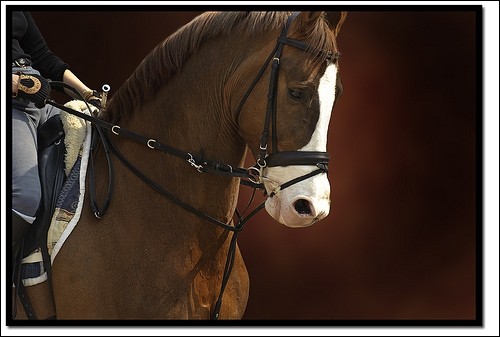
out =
column 33, row 88
column 93, row 97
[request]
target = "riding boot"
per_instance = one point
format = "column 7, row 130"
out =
column 19, row 229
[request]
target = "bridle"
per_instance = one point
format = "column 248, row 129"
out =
column 283, row 158
column 252, row 176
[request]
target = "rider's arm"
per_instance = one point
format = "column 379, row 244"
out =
column 71, row 79
column 44, row 60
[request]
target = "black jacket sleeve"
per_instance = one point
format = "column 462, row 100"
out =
column 44, row 60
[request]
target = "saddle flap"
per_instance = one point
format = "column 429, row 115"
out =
column 50, row 132
column 51, row 171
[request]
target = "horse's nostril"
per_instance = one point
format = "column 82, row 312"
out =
column 302, row 207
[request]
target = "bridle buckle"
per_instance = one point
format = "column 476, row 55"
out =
column 255, row 175
column 192, row 162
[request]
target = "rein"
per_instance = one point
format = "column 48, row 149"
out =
column 196, row 162
column 252, row 176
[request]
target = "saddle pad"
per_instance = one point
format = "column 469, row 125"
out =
column 70, row 201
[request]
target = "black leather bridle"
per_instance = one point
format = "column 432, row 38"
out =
column 283, row 158
column 254, row 175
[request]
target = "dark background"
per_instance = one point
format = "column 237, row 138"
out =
column 400, row 241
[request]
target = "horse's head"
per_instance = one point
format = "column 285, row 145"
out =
column 292, row 101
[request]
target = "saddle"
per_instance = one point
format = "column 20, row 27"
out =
column 51, row 152
column 59, row 141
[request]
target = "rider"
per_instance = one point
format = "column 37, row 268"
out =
column 32, row 64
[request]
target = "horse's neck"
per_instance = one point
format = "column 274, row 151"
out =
column 188, row 113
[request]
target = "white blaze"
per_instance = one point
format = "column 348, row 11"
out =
column 326, row 93
column 315, row 190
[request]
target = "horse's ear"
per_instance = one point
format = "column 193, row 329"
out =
column 303, row 23
column 336, row 19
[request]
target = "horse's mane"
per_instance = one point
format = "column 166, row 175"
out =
column 168, row 57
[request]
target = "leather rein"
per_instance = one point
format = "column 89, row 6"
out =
column 252, row 176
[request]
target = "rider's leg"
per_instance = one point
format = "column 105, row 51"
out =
column 26, row 193
column 26, row 190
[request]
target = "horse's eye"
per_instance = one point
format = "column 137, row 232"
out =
column 295, row 94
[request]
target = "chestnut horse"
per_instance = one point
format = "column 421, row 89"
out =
column 224, row 83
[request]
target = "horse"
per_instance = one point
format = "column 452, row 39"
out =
column 164, row 246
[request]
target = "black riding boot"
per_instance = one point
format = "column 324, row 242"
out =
column 19, row 229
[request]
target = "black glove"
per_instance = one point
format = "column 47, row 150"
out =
column 33, row 88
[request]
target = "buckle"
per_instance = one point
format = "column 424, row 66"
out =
column 21, row 62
